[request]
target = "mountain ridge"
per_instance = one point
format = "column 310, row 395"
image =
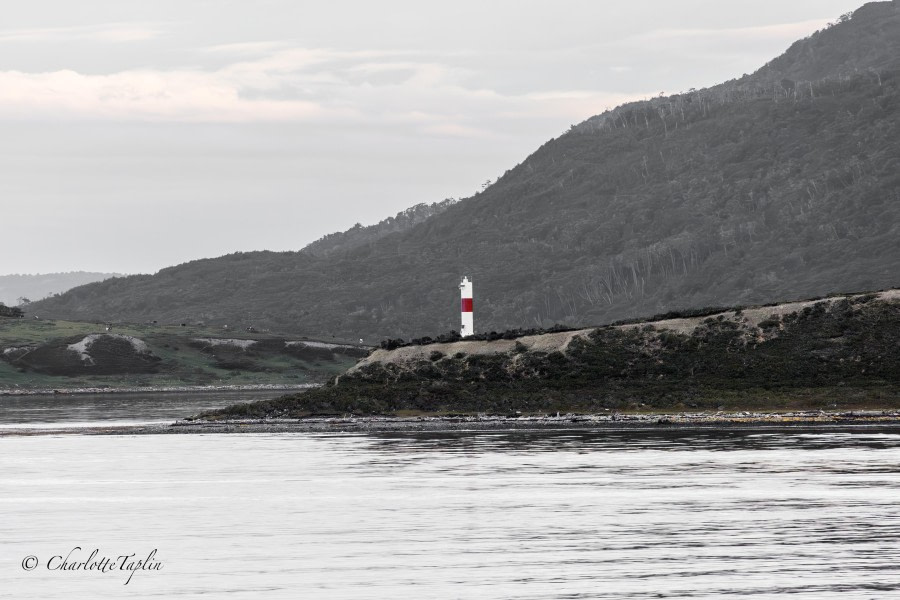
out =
column 359, row 235
column 36, row 286
column 755, row 190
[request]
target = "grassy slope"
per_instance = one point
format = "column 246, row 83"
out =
column 837, row 353
column 182, row 361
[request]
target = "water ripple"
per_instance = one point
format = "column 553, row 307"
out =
column 517, row 515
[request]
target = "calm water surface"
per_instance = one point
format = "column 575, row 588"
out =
column 88, row 410
column 464, row 515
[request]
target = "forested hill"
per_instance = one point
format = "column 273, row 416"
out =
column 16, row 288
column 358, row 235
column 778, row 185
column 868, row 44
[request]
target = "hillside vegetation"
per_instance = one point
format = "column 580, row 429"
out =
column 777, row 185
column 34, row 287
column 837, row 352
column 61, row 355
column 10, row 312
column 358, row 235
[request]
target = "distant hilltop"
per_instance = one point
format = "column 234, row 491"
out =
column 777, row 185
column 15, row 288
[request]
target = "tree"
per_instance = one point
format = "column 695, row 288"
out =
column 10, row 311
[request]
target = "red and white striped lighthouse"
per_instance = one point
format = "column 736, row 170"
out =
column 468, row 320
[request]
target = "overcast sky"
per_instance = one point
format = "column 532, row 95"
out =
column 137, row 134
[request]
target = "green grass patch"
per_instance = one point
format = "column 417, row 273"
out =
column 40, row 359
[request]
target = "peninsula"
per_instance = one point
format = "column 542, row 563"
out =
column 835, row 353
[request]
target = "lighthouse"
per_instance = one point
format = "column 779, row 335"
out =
column 468, row 320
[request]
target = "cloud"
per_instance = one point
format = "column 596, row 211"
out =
column 245, row 48
column 108, row 33
column 267, row 82
column 780, row 31
column 140, row 95
column 456, row 130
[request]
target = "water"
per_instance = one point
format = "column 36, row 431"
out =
column 91, row 410
column 652, row 514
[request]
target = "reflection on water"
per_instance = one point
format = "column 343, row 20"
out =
column 84, row 410
column 526, row 515
column 636, row 440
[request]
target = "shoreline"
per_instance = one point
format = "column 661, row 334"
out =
column 349, row 424
column 256, row 387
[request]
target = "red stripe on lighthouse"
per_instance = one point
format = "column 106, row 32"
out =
column 467, row 305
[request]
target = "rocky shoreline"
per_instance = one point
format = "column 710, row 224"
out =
column 837, row 354
column 384, row 424
column 157, row 389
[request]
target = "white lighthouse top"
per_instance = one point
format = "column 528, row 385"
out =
column 466, row 285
